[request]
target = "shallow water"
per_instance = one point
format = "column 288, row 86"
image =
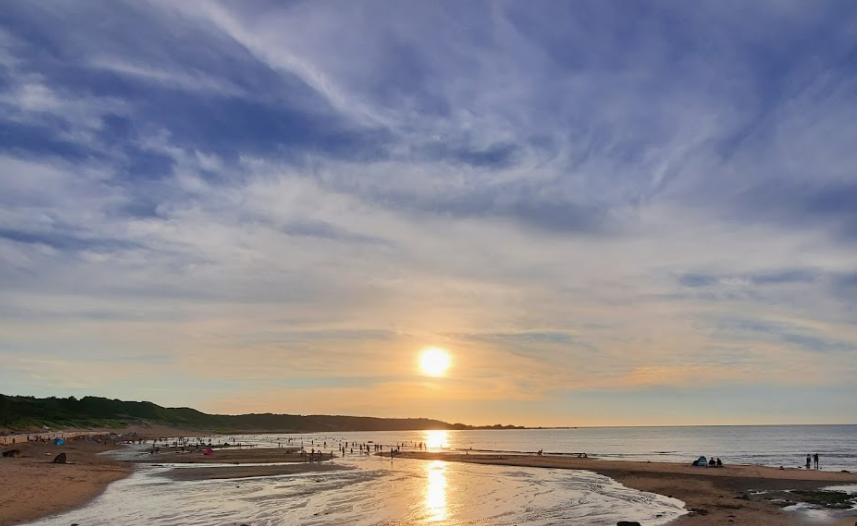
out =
column 763, row 445
column 410, row 492
column 377, row 492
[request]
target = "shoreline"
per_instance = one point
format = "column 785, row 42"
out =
column 37, row 488
column 712, row 496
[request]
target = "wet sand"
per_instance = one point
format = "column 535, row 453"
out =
column 237, row 472
column 285, row 463
column 712, row 495
column 34, row 487
column 228, row 456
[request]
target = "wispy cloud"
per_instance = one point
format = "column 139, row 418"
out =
column 581, row 198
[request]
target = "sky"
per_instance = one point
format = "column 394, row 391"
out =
column 608, row 213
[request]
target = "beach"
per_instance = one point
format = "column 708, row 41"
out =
column 36, row 487
column 42, row 488
column 711, row 495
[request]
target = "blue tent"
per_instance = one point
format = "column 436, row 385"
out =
column 700, row 462
column 59, row 441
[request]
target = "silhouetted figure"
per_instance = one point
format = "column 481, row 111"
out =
column 719, row 464
column 815, row 458
column 808, row 461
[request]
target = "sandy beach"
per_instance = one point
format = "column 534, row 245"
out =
column 246, row 463
column 712, row 495
column 238, row 472
column 228, row 456
column 35, row 487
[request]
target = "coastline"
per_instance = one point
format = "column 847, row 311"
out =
column 36, row 487
column 712, row 496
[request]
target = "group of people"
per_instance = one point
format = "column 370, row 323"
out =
column 810, row 459
column 712, row 462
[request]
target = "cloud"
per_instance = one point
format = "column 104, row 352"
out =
column 583, row 198
column 764, row 278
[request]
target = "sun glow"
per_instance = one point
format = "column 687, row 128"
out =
column 434, row 361
column 436, row 438
column 435, row 502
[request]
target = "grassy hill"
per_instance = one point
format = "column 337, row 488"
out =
column 26, row 412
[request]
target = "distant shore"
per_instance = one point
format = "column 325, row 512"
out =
column 713, row 496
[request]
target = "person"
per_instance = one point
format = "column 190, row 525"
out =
column 719, row 464
column 808, row 461
column 815, row 458
column 711, row 461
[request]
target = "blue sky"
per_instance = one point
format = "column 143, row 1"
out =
column 608, row 213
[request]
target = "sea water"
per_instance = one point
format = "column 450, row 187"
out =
column 376, row 491
column 380, row 491
column 773, row 446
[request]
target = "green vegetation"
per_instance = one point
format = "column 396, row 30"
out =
column 26, row 412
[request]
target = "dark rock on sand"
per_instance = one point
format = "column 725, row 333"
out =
column 838, row 500
column 60, row 459
column 12, row 453
column 628, row 523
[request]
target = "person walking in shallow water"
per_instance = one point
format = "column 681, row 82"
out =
column 808, row 461
column 815, row 458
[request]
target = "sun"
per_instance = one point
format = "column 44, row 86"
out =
column 434, row 361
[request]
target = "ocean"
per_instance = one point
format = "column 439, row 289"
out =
column 773, row 446
column 403, row 492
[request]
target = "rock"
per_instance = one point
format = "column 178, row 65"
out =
column 60, row 459
column 628, row 523
column 826, row 498
column 12, row 453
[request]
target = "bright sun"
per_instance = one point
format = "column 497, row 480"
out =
column 434, row 361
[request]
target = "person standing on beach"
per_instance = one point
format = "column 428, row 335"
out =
column 815, row 458
column 808, row 461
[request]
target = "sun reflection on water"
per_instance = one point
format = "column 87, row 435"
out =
column 436, row 439
column 436, row 491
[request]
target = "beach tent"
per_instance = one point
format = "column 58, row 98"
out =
column 208, row 451
column 701, row 461
column 59, row 441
